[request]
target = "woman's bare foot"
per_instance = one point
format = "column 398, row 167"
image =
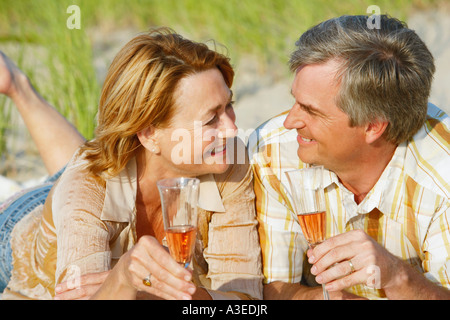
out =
column 55, row 137
column 11, row 77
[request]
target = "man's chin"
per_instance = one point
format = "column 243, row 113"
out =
column 305, row 158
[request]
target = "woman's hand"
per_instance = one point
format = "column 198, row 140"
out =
column 168, row 279
column 86, row 288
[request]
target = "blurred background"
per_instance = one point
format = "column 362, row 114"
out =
column 66, row 53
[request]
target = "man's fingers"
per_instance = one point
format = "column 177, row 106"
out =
column 339, row 240
column 348, row 281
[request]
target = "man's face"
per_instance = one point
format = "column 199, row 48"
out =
column 324, row 134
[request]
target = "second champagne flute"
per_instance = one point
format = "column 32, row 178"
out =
column 179, row 197
column 309, row 204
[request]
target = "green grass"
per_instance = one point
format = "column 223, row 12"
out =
column 64, row 73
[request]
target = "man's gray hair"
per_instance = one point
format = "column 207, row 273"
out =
column 386, row 72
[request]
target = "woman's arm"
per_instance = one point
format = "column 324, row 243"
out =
column 83, row 245
column 233, row 253
column 168, row 279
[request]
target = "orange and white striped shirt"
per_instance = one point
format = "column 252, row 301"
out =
column 407, row 211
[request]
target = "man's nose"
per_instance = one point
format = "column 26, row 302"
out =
column 294, row 119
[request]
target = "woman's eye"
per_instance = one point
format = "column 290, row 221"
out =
column 212, row 121
column 216, row 117
column 230, row 105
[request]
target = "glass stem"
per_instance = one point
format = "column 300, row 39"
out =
column 326, row 296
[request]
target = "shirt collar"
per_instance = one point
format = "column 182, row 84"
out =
column 120, row 195
column 381, row 196
column 209, row 197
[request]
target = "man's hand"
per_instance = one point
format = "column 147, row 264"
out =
column 354, row 258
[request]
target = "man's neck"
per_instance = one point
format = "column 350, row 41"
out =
column 362, row 177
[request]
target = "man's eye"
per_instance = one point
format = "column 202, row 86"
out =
column 307, row 110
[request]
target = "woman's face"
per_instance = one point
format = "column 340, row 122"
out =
column 203, row 122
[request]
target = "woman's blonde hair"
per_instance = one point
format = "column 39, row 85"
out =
column 138, row 92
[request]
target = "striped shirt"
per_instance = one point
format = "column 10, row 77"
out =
column 407, row 211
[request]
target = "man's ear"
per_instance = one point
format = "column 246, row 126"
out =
column 375, row 129
column 147, row 137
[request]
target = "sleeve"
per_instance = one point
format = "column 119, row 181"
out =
column 233, row 253
column 82, row 237
column 282, row 244
column 437, row 248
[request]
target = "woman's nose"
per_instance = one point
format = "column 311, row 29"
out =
column 228, row 128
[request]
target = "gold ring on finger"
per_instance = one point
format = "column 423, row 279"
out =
column 352, row 268
column 146, row 281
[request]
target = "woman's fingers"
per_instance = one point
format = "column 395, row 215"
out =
column 82, row 288
column 162, row 257
column 79, row 293
column 166, row 291
column 169, row 280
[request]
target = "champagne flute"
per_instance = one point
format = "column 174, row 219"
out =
column 309, row 204
column 179, row 197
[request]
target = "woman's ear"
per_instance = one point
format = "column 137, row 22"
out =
column 147, row 137
column 375, row 129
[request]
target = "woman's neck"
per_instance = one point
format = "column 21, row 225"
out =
column 147, row 178
column 148, row 203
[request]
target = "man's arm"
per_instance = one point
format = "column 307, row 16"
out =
column 279, row 290
column 398, row 279
column 409, row 284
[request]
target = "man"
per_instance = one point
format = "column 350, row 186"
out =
column 360, row 111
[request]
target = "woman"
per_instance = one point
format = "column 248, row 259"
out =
column 102, row 218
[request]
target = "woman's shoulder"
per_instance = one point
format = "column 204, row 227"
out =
column 77, row 185
column 76, row 170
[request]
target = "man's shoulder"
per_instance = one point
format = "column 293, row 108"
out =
column 428, row 153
